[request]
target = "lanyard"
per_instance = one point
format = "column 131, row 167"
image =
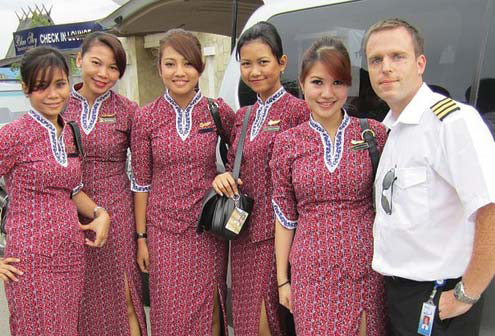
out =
column 438, row 284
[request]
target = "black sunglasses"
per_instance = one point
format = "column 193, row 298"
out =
column 388, row 183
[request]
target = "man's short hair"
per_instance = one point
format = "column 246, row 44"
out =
column 417, row 38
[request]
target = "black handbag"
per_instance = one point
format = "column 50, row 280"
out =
column 224, row 216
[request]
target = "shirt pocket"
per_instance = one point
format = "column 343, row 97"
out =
column 410, row 198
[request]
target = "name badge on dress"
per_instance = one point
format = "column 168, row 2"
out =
column 272, row 126
column 205, row 127
column 359, row 145
column 108, row 119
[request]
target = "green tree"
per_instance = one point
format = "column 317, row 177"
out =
column 40, row 20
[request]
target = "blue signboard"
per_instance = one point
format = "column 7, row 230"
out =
column 65, row 36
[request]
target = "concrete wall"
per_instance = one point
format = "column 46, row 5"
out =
column 142, row 82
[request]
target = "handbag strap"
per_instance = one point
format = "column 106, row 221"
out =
column 369, row 137
column 240, row 145
column 213, row 107
column 77, row 137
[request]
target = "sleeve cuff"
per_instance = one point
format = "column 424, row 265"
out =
column 139, row 188
column 76, row 190
column 286, row 223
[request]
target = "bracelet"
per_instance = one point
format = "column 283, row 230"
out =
column 95, row 210
column 285, row 283
column 141, row 235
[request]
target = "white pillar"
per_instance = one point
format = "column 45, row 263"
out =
column 209, row 53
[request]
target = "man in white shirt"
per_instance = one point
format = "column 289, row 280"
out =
column 434, row 232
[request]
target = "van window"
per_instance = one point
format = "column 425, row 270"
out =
column 486, row 93
column 452, row 37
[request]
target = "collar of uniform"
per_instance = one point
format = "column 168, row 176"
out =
column 56, row 144
column 413, row 112
column 183, row 118
column 332, row 152
column 89, row 116
column 262, row 112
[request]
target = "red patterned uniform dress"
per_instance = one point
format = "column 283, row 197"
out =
column 106, row 132
column 254, row 275
column 41, row 171
column 325, row 189
column 174, row 159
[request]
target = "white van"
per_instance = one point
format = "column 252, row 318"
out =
column 459, row 46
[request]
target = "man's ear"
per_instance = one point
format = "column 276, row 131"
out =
column 421, row 62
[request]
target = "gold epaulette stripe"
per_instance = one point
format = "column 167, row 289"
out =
column 444, row 107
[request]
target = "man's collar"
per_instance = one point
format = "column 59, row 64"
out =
column 413, row 111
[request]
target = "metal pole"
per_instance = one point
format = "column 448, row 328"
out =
column 234, row 26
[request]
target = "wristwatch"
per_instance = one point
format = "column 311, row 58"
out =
column 141, row 235
column 460, row 295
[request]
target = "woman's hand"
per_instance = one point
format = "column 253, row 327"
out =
column 224, row 184
column 143, row 256
column 100, row 225
column 7, row 271
column 284, row 296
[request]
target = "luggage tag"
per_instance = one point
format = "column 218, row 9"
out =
column 237, row 218
column 427, row 316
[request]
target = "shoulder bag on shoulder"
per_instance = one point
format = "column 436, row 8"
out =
column 222, row 145
column 224, row 216
column 4, row 205
column 77, row 137
column 369, row 137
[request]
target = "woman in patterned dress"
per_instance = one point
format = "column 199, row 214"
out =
column 254, row 285
column 322, row 183
column 174, row 160
column 112, row 283
column 42, row 170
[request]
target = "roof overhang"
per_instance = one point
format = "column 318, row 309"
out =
column 17, row 59
column 141, row 17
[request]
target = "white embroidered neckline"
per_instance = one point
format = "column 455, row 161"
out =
column 89, row 116
column 183, row 117
column 332, row 153
column 262, row 112
column 57, row 145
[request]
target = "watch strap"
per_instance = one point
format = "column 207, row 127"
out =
column 461, row 295
column 141, row 235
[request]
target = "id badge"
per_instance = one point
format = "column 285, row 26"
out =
column 426, row 319
column 108, row 119
column 236, row 220
column 271, row 129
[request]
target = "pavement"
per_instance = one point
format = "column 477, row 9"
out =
column 4, row 313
